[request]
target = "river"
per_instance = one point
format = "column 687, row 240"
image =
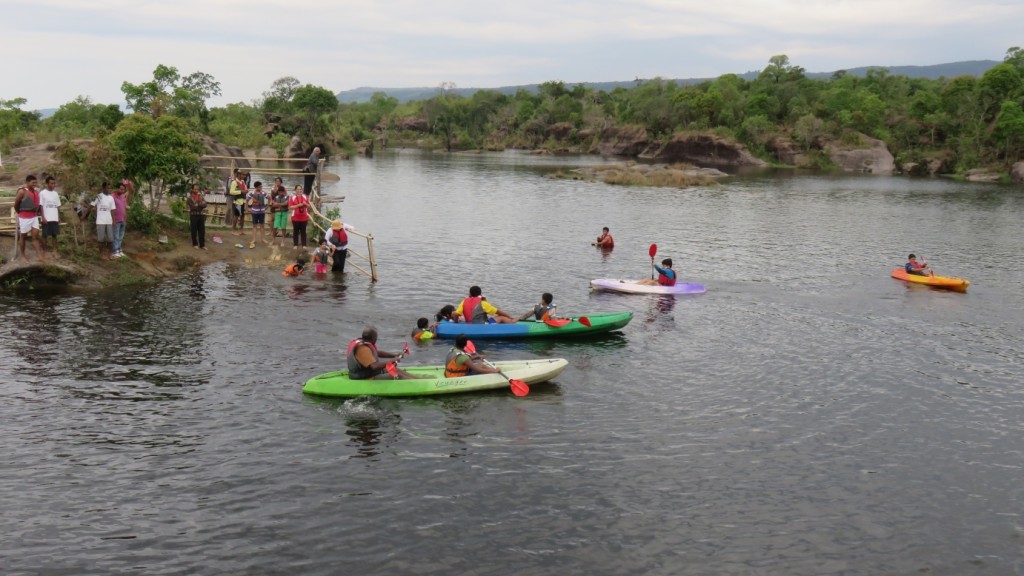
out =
column 807, row 415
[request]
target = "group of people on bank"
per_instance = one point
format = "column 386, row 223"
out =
column 39, row 217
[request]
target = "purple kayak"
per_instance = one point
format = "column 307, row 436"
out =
column 635, row 287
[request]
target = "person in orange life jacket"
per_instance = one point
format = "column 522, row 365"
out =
column 605, row 240
column 461, row 363
column 364, row 360
column 296, row 268
column 914, row 267
column 26, row 202
column 338, row 238
column 477, row 310
column 543, row 311
column 666, row 275
column 423, row 331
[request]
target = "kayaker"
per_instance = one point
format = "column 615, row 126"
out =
column 477, row 310
column 423, row 331
column 364, row 360
column 666, row 276
column 462, row 363
column 914, row 267
column 543, row 311
column 605, row 240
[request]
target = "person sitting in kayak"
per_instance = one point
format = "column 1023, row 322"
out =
column 423, row 331
column 543, row 311
column 916, row 268
column 666, row 275
column 605, row 240
column 364, row 360
column 477, row 310
column 461, row 363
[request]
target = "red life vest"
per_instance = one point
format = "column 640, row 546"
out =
column 470, row 313
column 292, row 270
column 665, row 280
column 29, row 203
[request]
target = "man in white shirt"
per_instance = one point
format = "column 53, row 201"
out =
column 50, row 201
column 104, row 205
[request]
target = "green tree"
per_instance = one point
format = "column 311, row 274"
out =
column 83, row 168
column 1010, row 129
column 311, row 103
column 160, row 153
column 81, row 117
column 15, row 123
column 170, row 93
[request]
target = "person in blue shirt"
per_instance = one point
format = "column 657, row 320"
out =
column 666, row 276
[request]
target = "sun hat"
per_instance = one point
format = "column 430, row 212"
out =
column 336, row 225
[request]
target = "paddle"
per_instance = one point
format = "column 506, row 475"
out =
column 519, row 388
column 557, row 322
column 584, row 320
column 652, row 251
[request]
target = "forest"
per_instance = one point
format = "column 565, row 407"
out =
column 967, row 122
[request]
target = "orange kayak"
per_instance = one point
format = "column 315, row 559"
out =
column 947, row 282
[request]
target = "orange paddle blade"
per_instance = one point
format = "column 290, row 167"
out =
column 519, row 388
column 557, row 322
column 391, row 369
column 470, row 348
column 584, row 320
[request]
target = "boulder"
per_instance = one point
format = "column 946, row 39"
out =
column 788, row 152
column 295, row 149
column 412, row 124
column 704, row 150
column 561, row 131
column 623, row 141
column 1017, row 172
column 983, row 175
column 213, row 148
column 870, row 156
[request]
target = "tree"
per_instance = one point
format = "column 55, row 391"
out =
column 1010, row 129
column 81, row 117
column 278, row 99
column 170, row 93
column 310, row 103
column 81, row 168
column 159, row 153
column 15, row 123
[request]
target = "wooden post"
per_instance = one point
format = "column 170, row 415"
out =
column 373, row 258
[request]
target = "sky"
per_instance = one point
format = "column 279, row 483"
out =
column 55, row 50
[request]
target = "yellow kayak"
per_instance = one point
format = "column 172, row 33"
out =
column 947, row 282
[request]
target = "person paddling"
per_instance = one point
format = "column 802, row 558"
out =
column 364, row 360
column 459, row 362
column 666, row 275
column 917, row 268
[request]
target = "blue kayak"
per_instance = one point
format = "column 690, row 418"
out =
column 561, row 328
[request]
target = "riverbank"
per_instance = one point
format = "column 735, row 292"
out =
column 79, row 263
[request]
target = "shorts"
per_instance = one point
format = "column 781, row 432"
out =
column 238, row 210
column 258, row 218
column 281, row 221
column 25, row 225
column 51, row 229
column 104, row 232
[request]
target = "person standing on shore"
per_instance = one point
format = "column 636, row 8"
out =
column 310, row 169
column 257, row 201
column 299, row 206
column 279, row 211
column 104, row 205
column 197, row 217
column 49, row 200
column 27, row 203
column 237, row 207
column 121, row 196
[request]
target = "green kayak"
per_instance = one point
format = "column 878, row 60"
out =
column 530, row 371
column 560, row 328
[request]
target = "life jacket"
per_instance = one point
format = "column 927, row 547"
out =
column 320, row 257
column 542, row 312
column 609, row 245
column 259, row 203
column 423, row 335
column 451, row 368
column 664, row 280
column 293, row 269
column 29, row 203
column 356, row 371
column 339, row 237
column 472, row 311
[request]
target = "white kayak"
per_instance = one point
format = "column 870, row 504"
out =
column 635, row 287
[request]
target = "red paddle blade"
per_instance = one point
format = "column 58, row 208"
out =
column 557, row 322
column 653, row 250
column 584, row 320
column 519, row 388
column 470, row 348
column 391, row 369
column 405, row 348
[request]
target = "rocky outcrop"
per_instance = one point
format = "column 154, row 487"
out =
column 870, row 156
column 704, row 150
column 789, row 152
column 561, row 131
column 1017, row 172
column 213, row 148
column 623, row 141
column 982, row 175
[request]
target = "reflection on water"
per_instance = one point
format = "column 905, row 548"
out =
column 788, row 411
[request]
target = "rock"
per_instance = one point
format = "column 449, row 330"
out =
column 705, row 150
column 983, row 175
column 623, row 141
column 788, row 152
column 295, row 149
column 561, row 131
column 1017, row 172
column 214, row 148
column 870, row 157
column 412, row 124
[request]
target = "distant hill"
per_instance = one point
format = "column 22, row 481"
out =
column 950, row 70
